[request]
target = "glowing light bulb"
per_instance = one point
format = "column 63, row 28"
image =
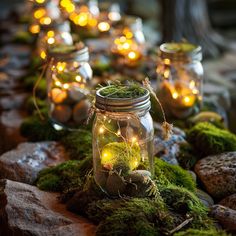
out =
column 45, row 21
column 40, row 1
column 82, row 19
column 134, row 139
column 51, row 40
column 166, row 74
column 186, row 100
column 126, row 45
column 101, row 130
column 78, row 78
column 132, row 55
column 34, row 29
column 167, row 61
column 61, row 66
column 195, row 91
column 39, row 13
column 118, row 133
column 50, row 33
column 66, row 86
column 58, row 83
column 114, row 16
column 104, row 26
column 43, row 54
column 175, row 95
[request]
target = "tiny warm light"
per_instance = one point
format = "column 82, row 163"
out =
column 50, row 33
column 92, row 22
column 186, row 100
column 114, row 16
column 118, row 133
column 58, row 95
column 43, row 54
column 51, row 40
column 134, row 139
column 133, row 55
column 78, row 78
column 58, row 83
column 195, row 91
column 126, row 45
column 101, row 130
column 66, row 86
column 45, row 21
column 61, row 66
column 192, row 84
column 40, row 1
column 39, row 13
column 34, row 29
column 175, row 95
column 166, row 74
column 167, row 61
column 82, row 19
column 104, row 26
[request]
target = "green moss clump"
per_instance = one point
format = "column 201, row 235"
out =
column 30, row 107
column 123, row 91
column 23, row 37
column 184, row 202
column 135, row 216
column 167, row 173
column 62, row 48
column 39, row 130
column 187, row 157
column 78, row 144
column 207, row 139
column 199, row 232
column 64, row 177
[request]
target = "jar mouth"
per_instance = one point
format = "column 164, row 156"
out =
column 181, row 51
column 110, row 104
column 77, row 53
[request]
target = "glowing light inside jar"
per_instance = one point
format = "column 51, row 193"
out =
column 34, row 29
column 61, row 66
column 40, row 1
column 104, row 26
column 39, row 13
column 45, row 21
column 101, row 130
column 43, row 54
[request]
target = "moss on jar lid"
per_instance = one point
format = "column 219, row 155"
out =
column 62, row 48
column 180, row 47
column 123, row 91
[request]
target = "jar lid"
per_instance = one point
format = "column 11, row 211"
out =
column 112, row 104
column 77, row 52
column 181, row 51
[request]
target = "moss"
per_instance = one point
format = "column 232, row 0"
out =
column 63, row 48
column 207, row 139
column 30, row 107
column 184, row 202
column 30, row 81
column 78, row 144
column 120, row 154
column 23, row 37
column 199, row 232
column 37, row 130
column 65, row 176
column 133, row 216
column 173, row 174
column 123, row 91
column 187, row 156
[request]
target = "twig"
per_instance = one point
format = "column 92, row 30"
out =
column 180, row 226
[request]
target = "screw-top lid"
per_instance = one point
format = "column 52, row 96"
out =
column 77, row 52
column 123, row 104
column 181, row 51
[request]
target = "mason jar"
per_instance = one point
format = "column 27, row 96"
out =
column 180, row 78
column 122, row 141
column 129, row 41
column 68, row 85
column 53, row 35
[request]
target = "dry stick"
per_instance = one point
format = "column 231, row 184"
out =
column 180, row 226
column 167, row 128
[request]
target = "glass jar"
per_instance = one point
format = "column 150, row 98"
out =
column 68, row 84
column 180, row 77
column 122, row 141
column 53, row 35
column 129, row 41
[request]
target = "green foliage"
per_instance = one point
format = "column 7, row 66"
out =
column 207, row 139
column 167, row 173
column 23, row 37
column 123, row 91
column 187, row 156
column 29, row 83
column 39, row 130
column 66, row 176
column 184, row 202
column 135, row 216
column 199, row 232
column 30, row 106
column 78, row 144
column 62, row 48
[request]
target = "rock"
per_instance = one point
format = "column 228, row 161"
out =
column 218, row 174
column 115, row 184
column 205, row 198
column 225, row 216
column 14, row 101
column 81, row 111
column 25, row 210
column 168, row 150
column 229, row 202
column 24, row 163
column 10, row 122
column 138, row 176
column 194, row 176
column 62, row 113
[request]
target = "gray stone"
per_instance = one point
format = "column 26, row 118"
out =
column 218, row 174
column 25, row 210
column 168, row 150
column 14, row 101
column 205, row 198
column 24, row 163
column 225, row 216
column 229, row 202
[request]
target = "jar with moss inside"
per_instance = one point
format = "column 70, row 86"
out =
column 122, row 137
column 50, row 36
column 180, row 77
column 68, row 84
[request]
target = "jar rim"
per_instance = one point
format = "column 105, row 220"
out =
column 110, row 104
column 180, row 51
